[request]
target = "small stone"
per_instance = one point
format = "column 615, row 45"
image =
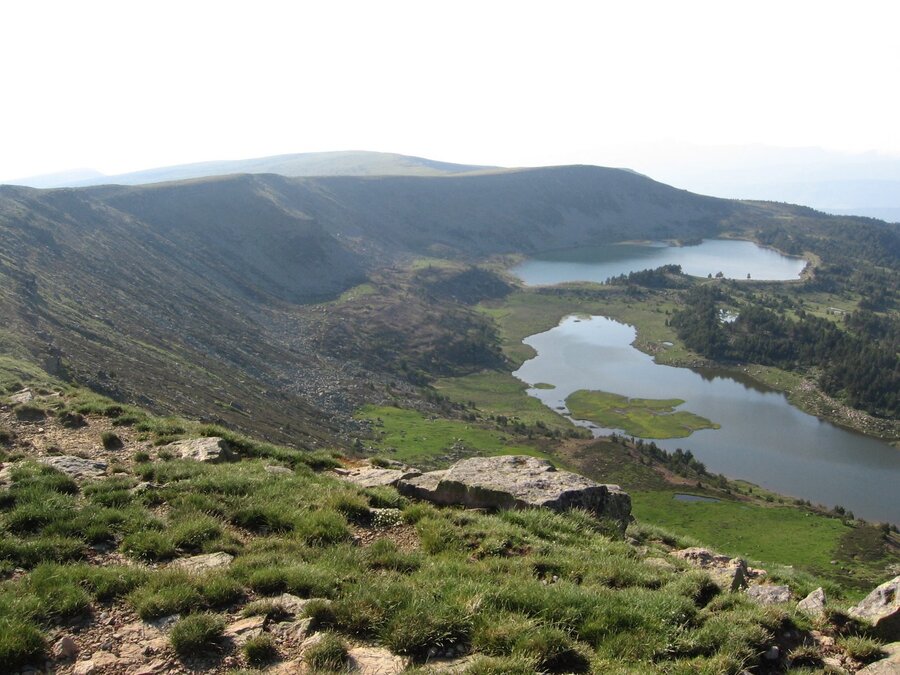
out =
column 84, row 668
column 772, row 653
column 65, row 648
column 278, row 470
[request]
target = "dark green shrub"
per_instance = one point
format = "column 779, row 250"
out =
column 111, row 441
column 196, row 633
column 141, row 457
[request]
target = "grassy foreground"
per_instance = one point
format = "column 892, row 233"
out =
column 523, row 591
column 643, row 417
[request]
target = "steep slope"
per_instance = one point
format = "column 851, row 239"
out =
column 200, row 295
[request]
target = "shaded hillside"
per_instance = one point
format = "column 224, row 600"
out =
column 198, row 296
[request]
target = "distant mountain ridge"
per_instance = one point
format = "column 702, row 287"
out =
column 340, row 163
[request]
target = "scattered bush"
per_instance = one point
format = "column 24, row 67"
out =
column 111, row 441
column 28, row 412
column 71, row 420
column 196, row 633
column 141, row 457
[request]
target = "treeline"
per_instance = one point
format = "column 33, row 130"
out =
column 859, row 365
column 666, row 276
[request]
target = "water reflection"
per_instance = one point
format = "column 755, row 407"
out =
column 763, row 438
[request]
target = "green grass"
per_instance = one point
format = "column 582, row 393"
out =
column 529, row 590
column 641, row 417
column 328, row 655
column 196, row 633
column 771, row 535
column 497, row 393
column 410, row 436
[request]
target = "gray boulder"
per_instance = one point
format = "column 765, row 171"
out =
column 769, row 594
column 881, row 608
column 813, row 604
column 211, row 449
column 76, row 467
column 516, row 482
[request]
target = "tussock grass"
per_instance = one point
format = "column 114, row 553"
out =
column 196, row 633
column 330, row 655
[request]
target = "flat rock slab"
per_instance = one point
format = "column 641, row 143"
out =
column 374, row 476
column 241, row 631
column 376, row 661
column 516, row 482
column 211, row 449
column 769, row 594
column 24, row 396
column 881, row 608
column 76, row 467
column 207, row 561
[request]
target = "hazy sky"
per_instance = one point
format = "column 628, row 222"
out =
column 125, row 85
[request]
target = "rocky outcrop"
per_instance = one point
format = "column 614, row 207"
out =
column 76, row 467
column 516, row 482
column 374, row 476
column 211, row 449
column 881, row 608
column 729, row 574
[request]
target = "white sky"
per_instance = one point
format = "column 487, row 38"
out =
column 132, row 84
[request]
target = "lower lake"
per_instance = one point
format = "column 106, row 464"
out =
column 733, row 258
column 763, row 438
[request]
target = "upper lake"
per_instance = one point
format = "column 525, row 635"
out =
column 733, row 258
column 762, row 438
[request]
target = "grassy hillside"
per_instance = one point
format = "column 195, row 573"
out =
column 511, row 592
